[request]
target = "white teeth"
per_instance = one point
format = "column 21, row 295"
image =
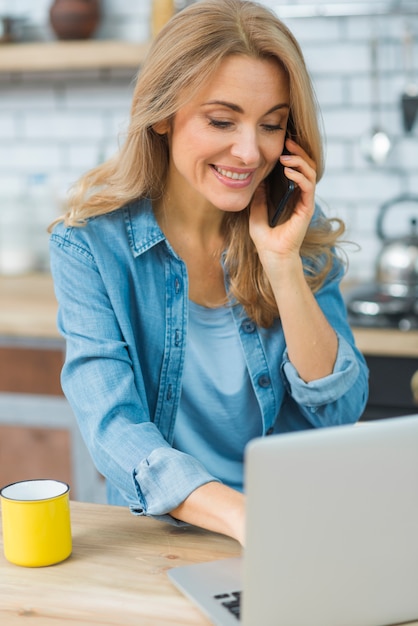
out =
column 233, row 175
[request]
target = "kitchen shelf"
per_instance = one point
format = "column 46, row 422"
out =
column 71, row 55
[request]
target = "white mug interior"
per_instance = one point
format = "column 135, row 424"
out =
column 34, row 490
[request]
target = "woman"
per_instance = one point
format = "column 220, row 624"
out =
column 193, row 326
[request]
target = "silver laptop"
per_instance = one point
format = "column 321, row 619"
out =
column 332, row 532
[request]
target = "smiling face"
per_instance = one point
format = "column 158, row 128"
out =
column 228, row 137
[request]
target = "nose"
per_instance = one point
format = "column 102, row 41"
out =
column 245, row 147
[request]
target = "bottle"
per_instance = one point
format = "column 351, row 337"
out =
column 161, row 12
column 16, row 252
column 43, row 208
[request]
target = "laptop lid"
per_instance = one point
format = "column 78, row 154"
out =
column 332, row 531
column 332, row 537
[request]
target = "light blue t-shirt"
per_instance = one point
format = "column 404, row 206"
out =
column 218, row 412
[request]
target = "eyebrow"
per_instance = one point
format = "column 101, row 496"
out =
column 238, row 109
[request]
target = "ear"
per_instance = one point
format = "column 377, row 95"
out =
column 161, row 128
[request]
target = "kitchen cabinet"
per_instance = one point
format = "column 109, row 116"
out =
column 390, row 392
column 29, row 448
column 392, row 357
column 28, row 366
column 39, row 436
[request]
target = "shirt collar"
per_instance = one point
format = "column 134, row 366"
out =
column 141, row 225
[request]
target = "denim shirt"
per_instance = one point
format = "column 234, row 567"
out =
column 123, row 301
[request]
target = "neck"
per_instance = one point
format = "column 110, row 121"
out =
column 194, row 229
column 190, row 220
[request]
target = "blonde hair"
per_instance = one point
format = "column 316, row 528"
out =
column 181, row 60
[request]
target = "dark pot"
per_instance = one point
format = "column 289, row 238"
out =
column 74, row 19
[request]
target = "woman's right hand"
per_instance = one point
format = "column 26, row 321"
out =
column 215, row 507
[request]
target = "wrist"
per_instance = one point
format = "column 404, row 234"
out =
column 285, row 273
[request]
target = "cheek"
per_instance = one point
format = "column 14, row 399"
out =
column 193, row 147
column 273, row 155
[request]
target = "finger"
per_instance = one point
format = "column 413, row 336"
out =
column 296, row 149
column 298, row 164
column 304, row 182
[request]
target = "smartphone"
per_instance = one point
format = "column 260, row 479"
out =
column 280, row 190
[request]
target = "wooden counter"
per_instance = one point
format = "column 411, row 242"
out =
column 28, row 308
column 115, row 576
column 31, row 349
column 387, row 342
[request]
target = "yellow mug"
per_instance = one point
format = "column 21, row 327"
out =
column 36, row 522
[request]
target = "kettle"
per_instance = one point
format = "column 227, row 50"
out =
column 397, row 262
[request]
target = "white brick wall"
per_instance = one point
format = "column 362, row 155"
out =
column 62, row 124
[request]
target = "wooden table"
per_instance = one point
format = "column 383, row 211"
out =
column 115, row 576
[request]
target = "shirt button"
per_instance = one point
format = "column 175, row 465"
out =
column 248, row 326
column 264, row 381
column 270, row 431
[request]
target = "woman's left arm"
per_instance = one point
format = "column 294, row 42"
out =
column 312, row 343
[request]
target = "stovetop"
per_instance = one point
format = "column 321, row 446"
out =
column 372, row 306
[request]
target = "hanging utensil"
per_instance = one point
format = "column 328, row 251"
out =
column 409, row 98
column 376, row 144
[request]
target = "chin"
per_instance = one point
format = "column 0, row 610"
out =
column 240, row 210
column 232, row 207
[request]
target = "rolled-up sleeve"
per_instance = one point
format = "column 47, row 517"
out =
column 164, row 479
column 335, row 399
column 327, row 389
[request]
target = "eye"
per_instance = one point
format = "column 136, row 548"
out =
column 219, row 123
column 272, row 128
